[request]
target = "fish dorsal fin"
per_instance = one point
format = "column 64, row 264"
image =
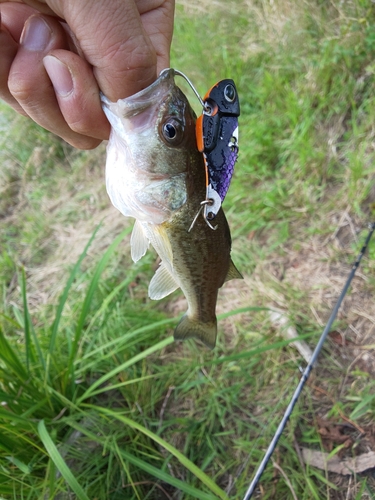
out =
column 162, row 284
column 233, row 273
column 138, row 242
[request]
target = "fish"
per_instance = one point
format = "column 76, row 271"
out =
column 155, row 173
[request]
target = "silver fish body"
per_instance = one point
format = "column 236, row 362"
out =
column 155, row 173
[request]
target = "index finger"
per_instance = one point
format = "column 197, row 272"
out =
column 113, row 40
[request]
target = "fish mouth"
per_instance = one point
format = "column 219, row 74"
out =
column 151, row 94
column 141, row 107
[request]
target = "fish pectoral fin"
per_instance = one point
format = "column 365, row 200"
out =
column 162, row 244
column 162, row 284
column 190, row 328
column 138, row 242
column 233, row 273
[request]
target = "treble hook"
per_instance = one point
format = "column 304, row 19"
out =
column 203, row 203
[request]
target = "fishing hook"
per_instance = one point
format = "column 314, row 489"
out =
column 203, row 104
column 306, row 372
column 203, row 203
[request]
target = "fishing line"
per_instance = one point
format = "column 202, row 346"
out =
column 307, row 370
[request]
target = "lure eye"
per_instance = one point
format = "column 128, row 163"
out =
column 229, row 93
column 172, row 132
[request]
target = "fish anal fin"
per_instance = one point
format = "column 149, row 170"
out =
column 204, row 331
column 162, row 284
column 138, row 242
column 233, row 273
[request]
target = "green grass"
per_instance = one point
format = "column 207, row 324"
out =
column 96, row 400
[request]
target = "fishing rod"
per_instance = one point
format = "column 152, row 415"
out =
column 306, row 372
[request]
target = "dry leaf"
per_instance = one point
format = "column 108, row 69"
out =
column 280, row 320
column 346, row 466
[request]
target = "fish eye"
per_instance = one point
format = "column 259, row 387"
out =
column 172, row 132
column 169, row 131
column 229, row 93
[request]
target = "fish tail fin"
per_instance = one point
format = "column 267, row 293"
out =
column 191, row 328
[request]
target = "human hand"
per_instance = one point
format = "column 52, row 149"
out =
column 55, row 55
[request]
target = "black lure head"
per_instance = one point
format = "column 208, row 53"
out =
column 223, row 98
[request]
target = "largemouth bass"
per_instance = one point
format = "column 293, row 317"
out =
column 155, row 173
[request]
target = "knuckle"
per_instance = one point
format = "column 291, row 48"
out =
column 81, row 125
column 85, row 117
column 86, row 143
column 81, row 142
column 20, row 88
column 139, row 54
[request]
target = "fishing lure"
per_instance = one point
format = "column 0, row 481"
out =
column 217, row 140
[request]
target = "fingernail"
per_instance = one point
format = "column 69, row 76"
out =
column 59, row 75
column 36, row 34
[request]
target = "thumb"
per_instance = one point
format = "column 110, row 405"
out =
column 112, row 39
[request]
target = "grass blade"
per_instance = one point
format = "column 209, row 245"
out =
column 21, row 466
column 124, row 339
column 129, row 362
column 29, row 328
column 145, row 466
column 104, row 307
column 65, row 293
column 241, row 310
column 108, row 300
column 171, row 449
column 59, row 462
column 16, row 419
column 164, row 476
column 258, row 350
column 8, row 444
column 10, row 358
column 90, row 293
column 26, row 323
